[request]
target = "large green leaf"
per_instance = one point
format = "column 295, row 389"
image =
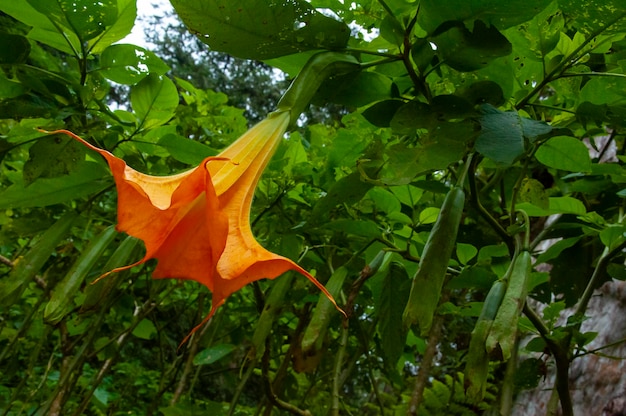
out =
column 154, row 100
column 186, row 150
column 86, row 18
column 9, row 88
column 442, row 146
column 261, row 29
column 604, row 90
column 66, row 24
column 85, row 180
column 501, row 14
column 466, row 50
column 126, row 14
column 129, row 64
column 44, row 31
column 503, row 134
column 12, row 286
column 355, row 90
column 52, row 157
column 588, row 16
column 565, row 153
column 349, row 189
column 557, row 205
column 361, row 228
column 213, row 354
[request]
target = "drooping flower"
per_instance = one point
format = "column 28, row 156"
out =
column 197, row 223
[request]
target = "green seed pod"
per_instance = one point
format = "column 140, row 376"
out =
column 100, row 289
column 428, row 282
column 501, row 339
column 477, row 361
column 273, row 305
column 316, row 330
column 62, row 298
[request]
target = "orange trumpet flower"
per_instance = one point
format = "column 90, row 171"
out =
column 197, row 223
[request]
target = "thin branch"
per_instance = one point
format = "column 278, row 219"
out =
column 607, row 255
column 475, row 201
column 427, row 362
column 269, row 392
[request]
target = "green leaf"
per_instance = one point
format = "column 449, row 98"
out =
column 85, row 180
column 473, row 277
column 429, row 215
column 70, row 44
column 51, row 157
column 555, row 249
column 614, row 115
column 604, row 90
column 409, row 195
column 533, row 191
column 86, row 18
column 43, row 30
column 466, row 50
column 393, row 297
column 503, row 133
column 349, row 189
column 10, row 89
column 613, row 235
column 384, row 200
column 185, row 150
column 154, row 100
column 381, row 113
column 127, row 13
column 145, row 329
column 482, row 92
column 261, row 29
column 355, row 90
column 493, row 12
column 12, row 286
column 591, row 15
column 557, row 205
column 565, row 153
column 213, row 354
column 367, row 229
column 295, row 153
column 129, row 64
column 616, row 271
column 441, row 147
column 465, row 252
column 14, row 49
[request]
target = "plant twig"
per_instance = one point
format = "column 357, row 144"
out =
column 269, row 392
column 428, row 359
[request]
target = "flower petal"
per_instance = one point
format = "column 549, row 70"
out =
column 178, row 218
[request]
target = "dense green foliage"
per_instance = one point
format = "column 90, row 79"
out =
column 521, row 103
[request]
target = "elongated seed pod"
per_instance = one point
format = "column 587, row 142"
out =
column 316, row 330
column 501, row 339
column 273, row 305
column 100, row 289
column 477, row 361
column 428, row 282
column 62, row 298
